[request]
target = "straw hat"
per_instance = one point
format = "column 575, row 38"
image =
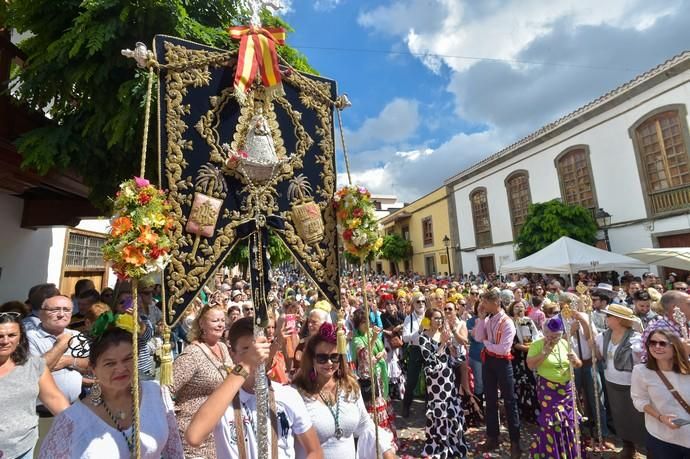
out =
column 620, row 311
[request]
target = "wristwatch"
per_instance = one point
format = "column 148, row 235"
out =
column 239, row 370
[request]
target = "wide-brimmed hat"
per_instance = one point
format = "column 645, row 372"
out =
column 604, row 289
column 620, row 311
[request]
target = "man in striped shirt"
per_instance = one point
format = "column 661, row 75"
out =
column 146, row 364
column 497, row 331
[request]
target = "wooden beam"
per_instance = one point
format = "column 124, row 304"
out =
column 40, row 212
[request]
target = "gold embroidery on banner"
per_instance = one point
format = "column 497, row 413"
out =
column 187, row 272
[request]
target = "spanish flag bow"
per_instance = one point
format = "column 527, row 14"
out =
column 257, row 53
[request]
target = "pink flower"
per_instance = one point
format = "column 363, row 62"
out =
column 141, row 182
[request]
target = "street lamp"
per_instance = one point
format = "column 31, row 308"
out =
column 446, row 244
column 604, row 221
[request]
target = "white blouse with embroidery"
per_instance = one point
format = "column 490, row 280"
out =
column 79, row 433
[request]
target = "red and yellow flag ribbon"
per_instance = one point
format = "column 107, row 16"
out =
column 257, row 54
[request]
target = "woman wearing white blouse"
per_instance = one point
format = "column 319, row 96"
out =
column 617, row 350
column 667, row 436
column 100, row 426
column 335, row 404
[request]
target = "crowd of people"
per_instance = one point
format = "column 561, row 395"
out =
column 609, row 366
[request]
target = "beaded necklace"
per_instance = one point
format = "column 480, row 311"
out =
column 335, row 413
column 128, row 438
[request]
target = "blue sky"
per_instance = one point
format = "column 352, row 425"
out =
column 436, row 85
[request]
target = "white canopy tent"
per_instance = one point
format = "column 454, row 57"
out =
column 568, row 256
column 671, row 257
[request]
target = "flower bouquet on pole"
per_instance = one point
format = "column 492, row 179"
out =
column 139, row 242
column 358, row 229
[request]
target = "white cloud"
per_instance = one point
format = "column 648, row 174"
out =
column 413, row 173
column 589, row 47
column 325, row 5
column 513, row 65
column 499, row 29
column 397, row 122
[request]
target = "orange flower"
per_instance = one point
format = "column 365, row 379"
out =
column 120, row 226
column 133, row 256
column 147, row 237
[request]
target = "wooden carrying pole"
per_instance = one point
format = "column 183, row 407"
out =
column 567, row 314
column 372, row 367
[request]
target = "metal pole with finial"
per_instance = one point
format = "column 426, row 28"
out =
column 582, row 290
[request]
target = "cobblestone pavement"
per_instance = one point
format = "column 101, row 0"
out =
column 411, row 437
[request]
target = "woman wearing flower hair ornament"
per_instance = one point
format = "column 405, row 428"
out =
column 334, row 402
column 100, row 426
column 551, row 358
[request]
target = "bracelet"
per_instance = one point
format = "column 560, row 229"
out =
column 659, row 417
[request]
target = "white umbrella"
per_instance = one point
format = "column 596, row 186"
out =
column 568, row 256
column 671, row 257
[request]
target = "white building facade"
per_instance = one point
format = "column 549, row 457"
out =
column 59, row 255
column 625, row 153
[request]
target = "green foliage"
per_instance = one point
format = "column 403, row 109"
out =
column 395, row 248
column 239, row 255
column 93, row 95
column 548, row 221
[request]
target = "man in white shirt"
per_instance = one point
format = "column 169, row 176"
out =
column 234, row 400
column 410, row 336
column 50, row 339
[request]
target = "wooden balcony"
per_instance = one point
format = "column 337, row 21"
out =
column 670, row 200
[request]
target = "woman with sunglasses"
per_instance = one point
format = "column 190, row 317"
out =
column 23, row 378
column 334, row 402
column 199, row 370
column 666, row 415
column 364, row 335
column 445, row 421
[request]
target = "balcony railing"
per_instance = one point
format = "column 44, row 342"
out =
column 670, row 200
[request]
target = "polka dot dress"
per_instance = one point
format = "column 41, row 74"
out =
column 445, row 437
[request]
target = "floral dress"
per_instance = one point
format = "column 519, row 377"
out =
column 445, row 422
column 525, row 381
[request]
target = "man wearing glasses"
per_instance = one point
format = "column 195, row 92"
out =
column 50, row 340
column 410, row 335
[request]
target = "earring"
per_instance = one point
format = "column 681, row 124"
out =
column 312, row 375
column 96, row 394
column 338, row 373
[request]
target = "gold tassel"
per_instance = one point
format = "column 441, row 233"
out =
column 166, row 376
column 342, row 341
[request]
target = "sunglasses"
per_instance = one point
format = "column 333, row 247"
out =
column 661, row 344
column 12, row 315
column 325, row 358
column 448, row 309
column 474, row 293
